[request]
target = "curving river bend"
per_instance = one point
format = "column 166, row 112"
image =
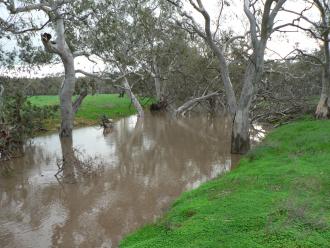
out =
column 137, row 171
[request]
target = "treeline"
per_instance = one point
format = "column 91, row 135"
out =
column 51, row 85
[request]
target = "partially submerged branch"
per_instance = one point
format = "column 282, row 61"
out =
column 192, row 103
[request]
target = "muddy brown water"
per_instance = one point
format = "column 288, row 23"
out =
column 137, row 172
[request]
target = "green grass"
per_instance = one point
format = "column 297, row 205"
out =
column 91, row 109
column 279, row 196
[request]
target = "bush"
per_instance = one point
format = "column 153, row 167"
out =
column 19, row 121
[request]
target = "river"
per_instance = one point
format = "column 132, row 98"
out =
column 129, row 177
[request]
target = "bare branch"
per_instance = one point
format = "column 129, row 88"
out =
column 192, row 102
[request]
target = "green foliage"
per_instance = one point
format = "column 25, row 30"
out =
column 20, row 120
column 277, row 197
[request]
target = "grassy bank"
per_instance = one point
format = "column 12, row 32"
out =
column 91, row 109
column 279, row 196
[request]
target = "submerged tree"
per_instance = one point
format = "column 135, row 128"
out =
column 261, row 19
column 64, row 17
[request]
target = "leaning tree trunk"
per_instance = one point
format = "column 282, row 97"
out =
column 133, row 98
column 76, row 104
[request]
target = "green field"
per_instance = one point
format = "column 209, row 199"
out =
column 91, row 109
column 279, row 196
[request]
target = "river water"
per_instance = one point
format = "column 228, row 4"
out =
column 127, row 178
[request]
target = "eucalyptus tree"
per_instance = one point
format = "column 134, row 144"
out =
column 164, row 44
column 261, row 17
column 117, row 40
column 322, row 110
column 320, row 31
column 63, row 17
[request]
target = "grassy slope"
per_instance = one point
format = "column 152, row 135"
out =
column 279, row 196
column 92, row 108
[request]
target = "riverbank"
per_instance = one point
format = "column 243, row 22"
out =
column 279, row 196
column 92, row 108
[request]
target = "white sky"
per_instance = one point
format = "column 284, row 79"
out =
column 233, row 17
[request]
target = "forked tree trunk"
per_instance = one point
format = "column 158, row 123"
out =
column 240, row 143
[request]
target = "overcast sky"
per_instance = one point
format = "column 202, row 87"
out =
column 233, row 17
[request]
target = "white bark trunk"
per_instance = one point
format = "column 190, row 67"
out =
column 323, row 106
column 133, row 98
column 322, row 109
column 223, row 67
column 156, row 76
column 61, row 48
column 66, row 93
column 2, row 89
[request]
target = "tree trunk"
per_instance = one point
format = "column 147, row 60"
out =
column 240, row 143
column 133, row 98
column 61, row 48
column 2, row 89
column 68, row 160
column 66, row 93
column 223, row 67
column 157, row 80
column 76, row 104
column 322, row 109
column 240, row 139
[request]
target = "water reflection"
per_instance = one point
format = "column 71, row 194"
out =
column 145, row 166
